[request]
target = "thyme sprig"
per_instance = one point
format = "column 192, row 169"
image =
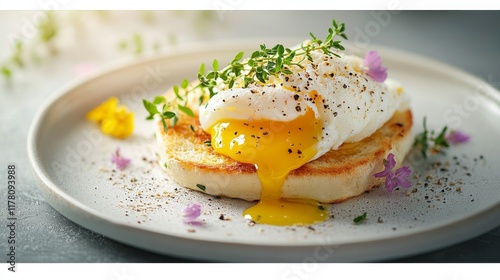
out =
column 263, row 64
column 267, row 62
column 423, row 140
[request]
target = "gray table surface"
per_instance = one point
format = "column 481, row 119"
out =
column 467, row 40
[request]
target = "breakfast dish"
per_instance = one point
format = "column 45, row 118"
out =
column 142, row 206
column 290, row 127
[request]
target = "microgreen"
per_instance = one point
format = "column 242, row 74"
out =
column 262, row 64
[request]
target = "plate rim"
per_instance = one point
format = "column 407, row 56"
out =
column 50, row 188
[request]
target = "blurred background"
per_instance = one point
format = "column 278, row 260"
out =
column 76, row 42
column 42, row 51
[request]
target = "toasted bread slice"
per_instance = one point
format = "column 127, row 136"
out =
column 334, row 177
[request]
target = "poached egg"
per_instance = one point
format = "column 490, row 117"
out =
column 295, row 118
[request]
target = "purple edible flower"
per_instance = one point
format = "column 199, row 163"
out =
column 399, row 179
column 191, row 213
column 121, row 162
column 375, row 68
column 393, row 180
column 457, row 137
column 389, row 164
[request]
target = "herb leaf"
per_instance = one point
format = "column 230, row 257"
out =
column 186, row 110
column 201, row 187
column 360, row 218
column 151, row 108
column 169, row 115
column 421, row 140
column 440, row 140
column 159, row 99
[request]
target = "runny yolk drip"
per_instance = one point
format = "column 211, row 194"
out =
column 276, row 148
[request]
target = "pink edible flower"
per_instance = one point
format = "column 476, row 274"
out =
column 457, row 137
column 394, row 179
column 120, row 162
column 83, row 69
column 375, row 69
column 389, row 164
column 191, row 214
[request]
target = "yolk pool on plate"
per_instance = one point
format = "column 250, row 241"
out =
column 276, row 148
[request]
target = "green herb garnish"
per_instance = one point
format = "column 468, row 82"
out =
column 360, row 219
column 262, row 64
column 201, row 187
column 137, row 41
column 17, row 57
column 135, row 44
column 186, row 110
column 266, row 62
column 6, row 72
column 48, row 28
column 422, row 140
column 46, row 32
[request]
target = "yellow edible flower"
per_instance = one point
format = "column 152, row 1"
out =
column 114, row 120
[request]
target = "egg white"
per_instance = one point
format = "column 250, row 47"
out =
column 351, row 105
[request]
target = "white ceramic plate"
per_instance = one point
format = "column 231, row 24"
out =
column 142, row 207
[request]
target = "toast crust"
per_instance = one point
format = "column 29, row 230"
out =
column 334, row 177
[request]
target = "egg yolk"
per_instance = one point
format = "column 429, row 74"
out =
column 275, row 148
